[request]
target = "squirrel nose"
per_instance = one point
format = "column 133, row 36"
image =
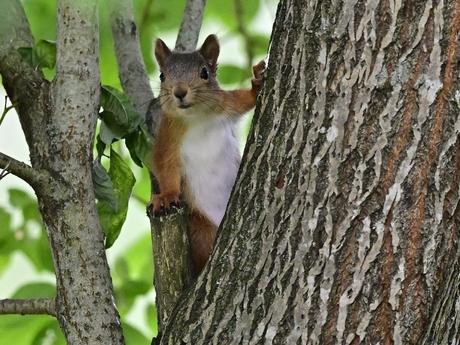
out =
column 180, row 93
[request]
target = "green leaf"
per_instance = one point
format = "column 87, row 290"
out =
column 260, row 44
column 225, row 11
column 139, row 260
column 37, row 250
column 5, row 258
column 49, row 334
column 18, row 329
column 118, row 110
column 230, row 74
column 100, row 146
column 43, row 55
column 29, row 236
column 152, row 318
column 142, row 189
column 126, row 294
column 5, row 221
column 30, row 212
column 122, row 268
column 123, row 181
column 36, row 290
column 110, row 130
column 140, row 145
column 152, row 16
column 133, row 336
column 45, row 52
column 103, row 187
column 135, row 288
column 20, row 199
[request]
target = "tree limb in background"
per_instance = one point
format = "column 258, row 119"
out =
column 39, row 306
column 131, row 67
column 20, row 80
column 190, row 25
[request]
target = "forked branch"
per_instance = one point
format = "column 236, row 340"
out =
column 34, row 178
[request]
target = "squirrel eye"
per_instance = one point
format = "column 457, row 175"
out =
column 204, row 73
column 162, row 77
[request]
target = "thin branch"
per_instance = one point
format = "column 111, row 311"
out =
column 6, row 110
column 25, row 172
column 131, row 67
column 15, row 34
column 4, row 172
column 39, row 306
column 190, row 26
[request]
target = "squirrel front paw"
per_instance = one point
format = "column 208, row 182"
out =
column 258, row 71
column 164, row 204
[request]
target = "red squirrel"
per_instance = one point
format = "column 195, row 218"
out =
column 196, row 154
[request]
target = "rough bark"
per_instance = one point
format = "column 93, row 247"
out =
column 59, row 121
column 343, row 224
column 173, row 264
column 77, row 241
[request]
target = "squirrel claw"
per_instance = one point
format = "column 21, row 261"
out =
column 160, row 206
column 258, row 71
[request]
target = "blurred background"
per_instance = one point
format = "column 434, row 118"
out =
column 26, row 269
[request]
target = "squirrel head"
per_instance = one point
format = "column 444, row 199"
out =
column 188, row 79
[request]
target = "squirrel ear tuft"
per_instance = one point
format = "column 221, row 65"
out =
column 161, row 52
column 210, row 50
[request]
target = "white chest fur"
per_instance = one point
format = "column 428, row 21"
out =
column 210, row 160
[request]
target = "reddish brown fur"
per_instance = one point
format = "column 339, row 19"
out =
column 202, row 235
column 166, row 157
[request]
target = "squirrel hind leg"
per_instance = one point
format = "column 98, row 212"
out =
column 202, row 236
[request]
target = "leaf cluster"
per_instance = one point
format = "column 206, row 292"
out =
column 113, row 188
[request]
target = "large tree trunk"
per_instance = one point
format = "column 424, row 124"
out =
column 343, row 224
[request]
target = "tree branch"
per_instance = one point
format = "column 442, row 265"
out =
column 23, row 84
column 46, row 306
column 34, row 178
column 14, row 26
column 131, row 67
column 190, row 26
column 173, row 262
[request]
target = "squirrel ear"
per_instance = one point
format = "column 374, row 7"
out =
column 210, row 50
column 161, row 52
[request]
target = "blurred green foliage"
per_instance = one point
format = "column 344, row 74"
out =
column 21, row 228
